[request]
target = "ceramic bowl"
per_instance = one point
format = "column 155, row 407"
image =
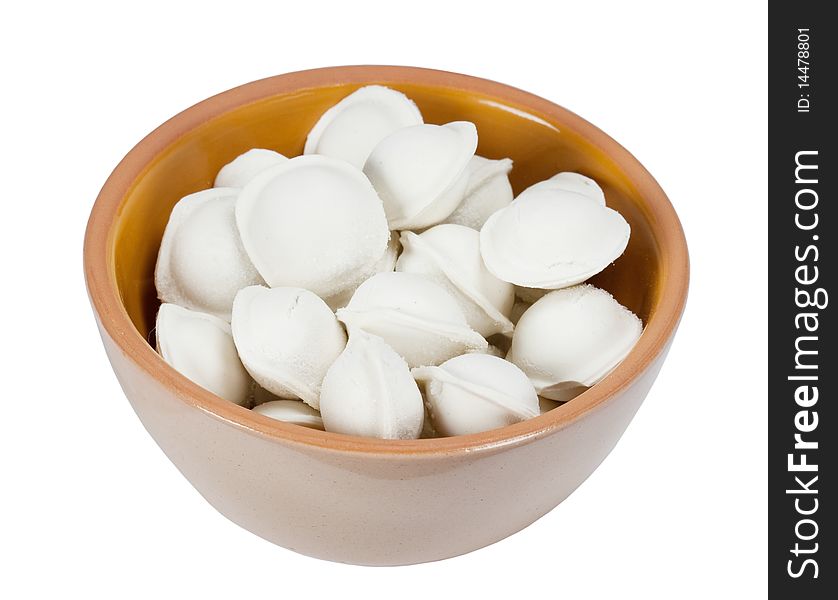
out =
column 357, row 500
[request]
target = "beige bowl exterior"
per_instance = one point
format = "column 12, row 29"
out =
column 356, row 500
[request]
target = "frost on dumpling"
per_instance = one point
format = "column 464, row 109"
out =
column 287, row 338
column 351, row 128
column 488, row 190
column 476, row 392
column 418, row 318
column 312, row 222
column 200, row 347
column 571, row 339
column 570, row 182
column 552, row 239
column 202, row 263
column 242, row 169
column 385, row 264
column 420, row 172
column 369, row 391
column 450, row 255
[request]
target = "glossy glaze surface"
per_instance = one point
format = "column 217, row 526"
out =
column 352, row 499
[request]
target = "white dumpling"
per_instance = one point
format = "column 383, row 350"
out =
column 418, row 318
column 476, row 392
column 352, row 127
column 313, row 222
column 202, row 262
column 571, row 182
column 571, row 339
column 369, row 391
column 386, row 263
column 246, row 166
column 420, row 172
column 291, row 411
column 552, row 239
column 488, row 190
column 287, row 339
column 450, row 255
column 199, row 346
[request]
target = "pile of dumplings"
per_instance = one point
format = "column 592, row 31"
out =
column 386, row 284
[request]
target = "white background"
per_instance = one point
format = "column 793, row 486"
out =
column 90, row 505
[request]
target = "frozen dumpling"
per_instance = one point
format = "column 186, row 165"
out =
column 199, row 346
column 572, row 338
column 369, row 391
column 312, row 222
column 352, row 127
column 570, row 182
column 488, row 190
column 246, row 166
column 450, row 255
column 418, row 318
column 552, row 239
column 287, row 338
column 420, row 172
column 385, row 264
column 476, row 392
column 202, row 263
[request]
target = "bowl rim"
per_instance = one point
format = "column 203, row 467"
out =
column 104, row 295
